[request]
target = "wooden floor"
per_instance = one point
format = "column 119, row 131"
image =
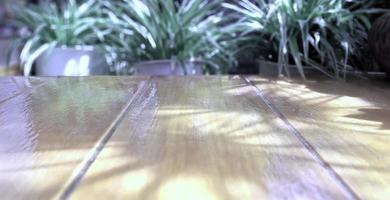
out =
column 193, row 138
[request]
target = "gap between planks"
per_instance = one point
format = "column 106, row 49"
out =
column 20, row 92
column 297, row 134
column 77, row 176
column 82, row 169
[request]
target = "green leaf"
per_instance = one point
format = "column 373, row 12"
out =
column 29, row 62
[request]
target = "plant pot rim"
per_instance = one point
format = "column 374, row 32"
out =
column 162, row 61
column 77, row 47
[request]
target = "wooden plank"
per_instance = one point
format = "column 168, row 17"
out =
column 347, row 123
column 204, row 138
column 47, row 132
column 12, row 86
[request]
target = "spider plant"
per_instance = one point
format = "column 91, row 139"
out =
column 168, row 29
column 67, row 24
column 317, row 33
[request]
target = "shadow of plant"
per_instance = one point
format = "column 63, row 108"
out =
column 347, row 123
column 190, row 139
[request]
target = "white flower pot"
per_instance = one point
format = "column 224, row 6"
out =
column 167, row 67
column 78, row 61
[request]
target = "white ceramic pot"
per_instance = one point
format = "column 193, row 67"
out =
column 78, row 61
column 167, row 67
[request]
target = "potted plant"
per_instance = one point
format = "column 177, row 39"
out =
column 163, row 37
column 317, row 34
column 64, row 39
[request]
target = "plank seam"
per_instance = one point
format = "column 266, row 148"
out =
column 297, row 134
column 78, row 174
column 23, row 90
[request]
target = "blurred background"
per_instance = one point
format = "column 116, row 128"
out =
column 194, row 37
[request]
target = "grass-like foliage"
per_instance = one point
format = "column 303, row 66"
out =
column 166, row 29
column 317, row 33
column 66, row 24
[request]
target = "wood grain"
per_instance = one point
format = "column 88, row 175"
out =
column 204, row 138
column 47, row 131
column 12, row 86
column 347, row 123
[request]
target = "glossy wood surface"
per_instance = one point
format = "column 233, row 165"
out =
column 184, row 138
column 48, row 126
column 13, row 86
column 348, row 124
column 204, row 138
